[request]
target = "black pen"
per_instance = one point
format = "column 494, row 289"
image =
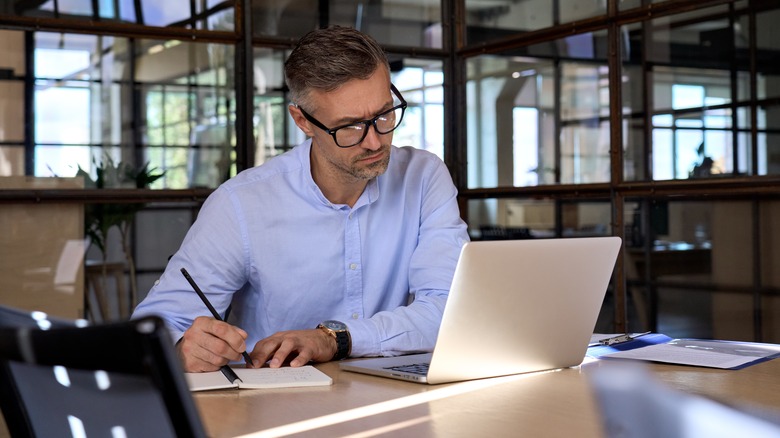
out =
column 211, row 308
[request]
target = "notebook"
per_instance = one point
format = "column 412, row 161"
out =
column 515, row 306
column 258, row 378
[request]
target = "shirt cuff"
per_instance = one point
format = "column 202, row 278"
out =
column 365, row 337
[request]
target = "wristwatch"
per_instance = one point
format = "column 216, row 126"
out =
column 339, row 331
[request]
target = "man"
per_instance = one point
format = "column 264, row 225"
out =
column 343, row 246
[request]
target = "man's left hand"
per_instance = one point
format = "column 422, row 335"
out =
column 299, row 347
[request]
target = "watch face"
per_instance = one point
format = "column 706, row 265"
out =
column 335, row 325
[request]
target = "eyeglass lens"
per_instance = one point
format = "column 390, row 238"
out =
column 353, row 134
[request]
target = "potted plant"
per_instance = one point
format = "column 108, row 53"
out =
column 100, row 218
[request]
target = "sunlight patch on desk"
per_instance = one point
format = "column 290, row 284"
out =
column 388, row 406
column 390, row 428
column 586, row 361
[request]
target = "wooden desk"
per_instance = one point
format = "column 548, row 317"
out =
column 544, row 404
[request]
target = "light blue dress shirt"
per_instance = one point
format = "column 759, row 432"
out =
column 270, row 243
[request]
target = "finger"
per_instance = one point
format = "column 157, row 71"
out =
column 232, row 336
column 287, row 346
column 205, row 341
column 205, row 360
column 213, row 345
column 304, row 356
column 264, row 349
column 194, row 356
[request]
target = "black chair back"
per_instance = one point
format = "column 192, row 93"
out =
column 66, row 378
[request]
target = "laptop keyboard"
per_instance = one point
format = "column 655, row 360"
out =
column 418, row 368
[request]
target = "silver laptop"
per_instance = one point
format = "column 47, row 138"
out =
column 515, row 306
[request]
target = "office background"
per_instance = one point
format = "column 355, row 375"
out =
column 657, row 121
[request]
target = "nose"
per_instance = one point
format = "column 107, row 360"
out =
column 372, row 141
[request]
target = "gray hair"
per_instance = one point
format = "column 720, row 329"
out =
column 325, row 59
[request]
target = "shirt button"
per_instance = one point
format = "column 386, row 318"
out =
column 353, row 266
column 355, row 316
column 156, row 282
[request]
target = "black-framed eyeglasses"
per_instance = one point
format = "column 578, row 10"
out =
column 352, row 134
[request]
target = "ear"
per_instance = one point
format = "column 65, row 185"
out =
column 300, row 120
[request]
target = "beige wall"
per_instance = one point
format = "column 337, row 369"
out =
column 42, row 249
column 12, row 103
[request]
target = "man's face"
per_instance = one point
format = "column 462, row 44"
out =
column 354, row 101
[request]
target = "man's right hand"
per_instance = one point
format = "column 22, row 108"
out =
column 208, row 344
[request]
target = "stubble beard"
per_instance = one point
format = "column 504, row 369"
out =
column 369, row 171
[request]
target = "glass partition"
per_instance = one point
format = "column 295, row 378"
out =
column 489, row 20
column 691, row 73
column 768, row 91
column 188, row 111
column 204, row 14
column 100, row 99
column 767, row 44
column 393, row 22
column 692, row 271
column 539, row 115
column 630, row 4
column 274, row 130
column 161, row 230
column 421, row 82
column 510, row 218
column 76, row 111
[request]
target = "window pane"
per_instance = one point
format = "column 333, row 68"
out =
column 74, row 7
column 401, row 23
column 767, row 45
column 161, row 230
column 634, row 144
column 157, row 13
column 688, row 64
column 768, row 148
column 73, row 113
column 275, row 131
column 700, row 258
column 699, row 145
column 512, row 102
column 211, row 14
column 420, row 81
column 178, row 101
column 495, row 19
column 495, row 219
column 768, row 83
column 585, row 131
column 174, row 161
column 61, row 160
column 62, row 113
column 629, row 4
column 188, row 111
